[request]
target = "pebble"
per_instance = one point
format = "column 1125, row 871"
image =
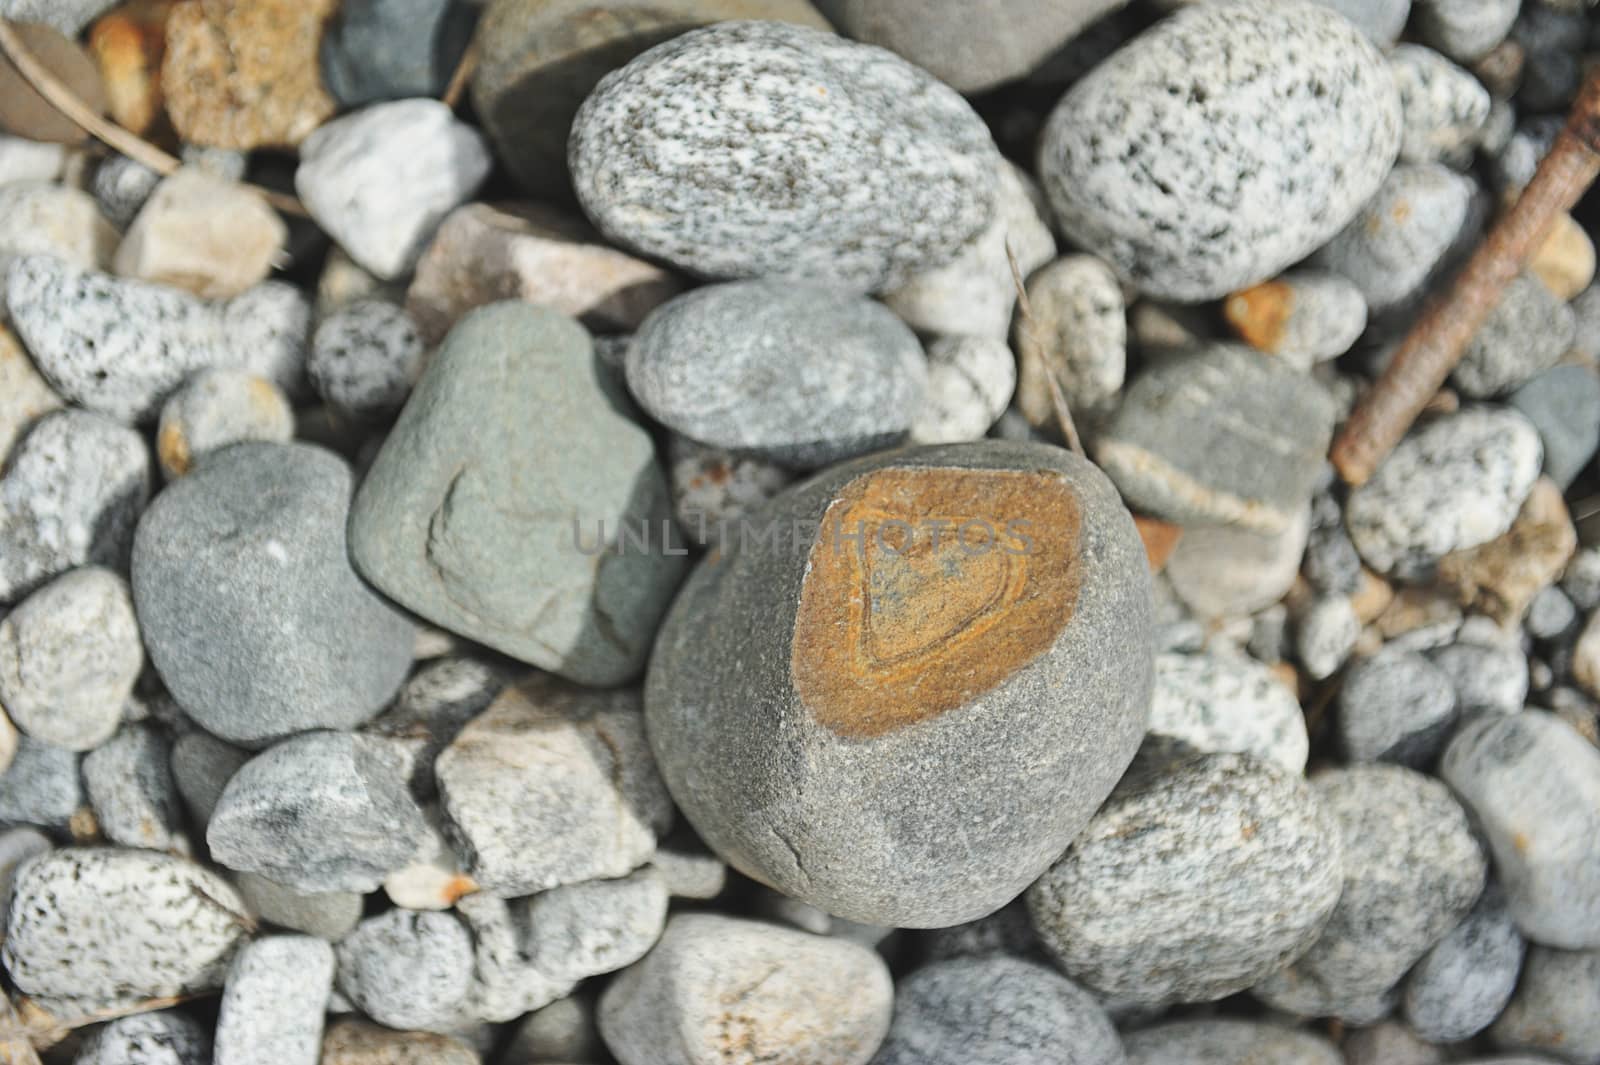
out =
column 1526, row 333
column 757, row 626
column 1456, row 482
column 1464, row 30
column 1412, row 871
column 433, row 879
column 380, row 181
column 69, row 656
column 1485, row 678
column 8, row 741
column 1220, row 702
column 166, row 1037
column 1514, row 166
column 24, row 111
column 244, row 73
column 1533, row 785
column 433, row 705
column 127, row 44
column 217, row 408
column 1581, row 580
column 1225, row 571
column 1332, row 564
column 201, row 767
column 54, row 220
column 454, row 524
column 365, row 357
column 1138, row 172
column 802, row 374
column 1390, row 1043
column 565, row 1030
column 294, row 640
column 598, row 926
column 267, row 331
column 506, row 983
column 1220, row 435
column 996, row 1011
column 974, row 293
column 712, row 488
column 355, row 1042
column 22, row 159
column 390, row 49
column 328, row 915
column 324, row 811
column 689, row 870
column 594, row 809
column 408, row 970
column 201, row 233
column 121, row 187
column 1553, row 1010
column 131, row 792
column 1554, row 40
column 108, row 921
column 970, row 383
column 1563, row 403
column 1565, row 262
column 1261, row 865
column 1462, row 984
column 488, row 252
column 1442, row 107
column 17, row 845
column 1392, row 247
column 68, row 16
column 875, row 174
column 1499, row 579
column 1395, row 706
column 274, row 1002
column 1303, row 317
column 42, row 786
column 1228, row 1042
column 722, row 988
column 1551, row 615
column 1080, row 328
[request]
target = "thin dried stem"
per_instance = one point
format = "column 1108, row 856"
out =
column 1436, row 343
column 63, row 99
column 468, row 65
column 1033, row 354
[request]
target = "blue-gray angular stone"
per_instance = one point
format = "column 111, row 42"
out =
column 390, row 49
column 1563, row 403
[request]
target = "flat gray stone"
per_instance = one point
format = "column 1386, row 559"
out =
column 1552, row 1011
column 1196, row 174
column 1218, row 702
column 250, row 609
column 166, row 1037
column 881, row 174
column 803, row 374
column 129, row 782
column 464, row 519
column 1395, row 706
column 408, row 970
column 1227, row 1042
column 274, row 1003
column 1389, row 1043
column 327, row 915
column 1527, row 332
column 802, row 747
column 201, row 767
column 1462, row 984
column 1563, row 403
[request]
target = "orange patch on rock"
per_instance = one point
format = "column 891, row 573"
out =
column 173, row 449
column 928, row 587
column 1160, row 539
column 1259, row 314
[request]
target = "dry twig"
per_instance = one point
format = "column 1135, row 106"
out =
column 1033, row 354
column 462, row 76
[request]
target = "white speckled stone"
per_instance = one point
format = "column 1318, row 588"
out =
column 1225, row 571
column 1303, row 317
column 408, row 970
column 1213, row 703
column 274, row 1002
column 1553, row 1010
column 1442, row 106
column 365, row 357
column 856, row 168
column 107, row 922
column 1533, row 784
column 1528, row 331
column 267, row 331
column 216, row 408
column 1395, row 706
column 716, row 986
column 43, row 219
column 970, row 382
column 1080, row 325
column 713, row 487
column 167, row 1037
column 380, row 181
column 1222, row 145
column 1461, row 985
column 202, row 233
column 1227, row 1042
column 598, row 926
column 1455, row 482
column 130, row 789
column 1464, row 30
column 27, row 160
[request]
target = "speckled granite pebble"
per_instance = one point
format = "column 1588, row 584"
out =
column 1563, row 403
column 72, row 491
column 166, row 1037
column 1227, row 1042
column 216, row 408
column 598, row 926
column 970, row 382
column 1533, row 784
column 1527, row 332
column 867, row 172
column 803, row 374
column 324, row 811
column 996, row 1011
column 1412, row 871
column 274, row 1001
column 1303, row 317
column 365, row 357
column 1461, row 985
column 1395, row 706
column 1212, row 703
column 1079, row 325
column 713, row 487
column 131, row 792
column 267, row 332
column 41, row 787
column 1196, row 172
column 408, row 970
column 1553, row 1009
column 253, row 542
column 716, row 986
column 108, row 921
column 1442, row 107
column 1453, row 483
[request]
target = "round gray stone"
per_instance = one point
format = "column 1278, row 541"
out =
column 365, row 357
column 1462, row 984
column 165, row 1037
column 1227, row 1042
column 1214, row 703
column 1465, row 30
column 863, row 169
column 803, row 745
column 1195, row 173
column 1485, row 677
column 1563, row 403
column 274, row 1003
column 251, row 611
column 803, row 374
column 1395, row 706
column 408, row 970
column 1529, row 329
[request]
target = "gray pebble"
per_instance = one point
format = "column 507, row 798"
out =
column 323, row 811
column 274, row 1003
column 1581, row 580
column 802, row 374
column 328, row 915
column 1465, row 30
column 108, row 921
column 1551, row 615
column 1563, row 403
column 251, row 612
column 970, row 382
column 505, row 983
column 1259, row 859
column 1225, row 571
column 598, row 926
column 689, row 870
column 121, row 186
column 1195, row 175
column 1079, row 329
column 165, row 1037
column 871, row 174
column 215, row 408
column 71, row 493
column 69, row 656
column 365, row 357
column 17, row 845
column 715, row 983
column 1389, row 1043
column 1381, row 20
column 1533, row 784
column 408, row 970
column 68, row 16
column 712, row 488
column 1554, row 40
column 433, row 706
column 1461, row 985
column 564, row 1030
column 1442, row 106
column 201, row 767
column 1332, row 563
column 1325, row 635
column 267, row 331
column 1395, row 706
column 1227, row 1042
column 996, row 1011
column 1214, row 703
column 41, row 787
column 1303, row 317
column 1528, row 330
column 1485, row 677
column 131, row 792
column 594, row 809
column 1412, row 871
column 1553, row 1009
column 1514, row 166
column 388, row 49
column 1456, row 482
column 1586, row 307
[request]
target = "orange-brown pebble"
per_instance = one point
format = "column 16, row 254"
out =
column 173, row 450
column 25, row 113
column 1372, row 598
column 1160, row 539
column 128, row 44
column 1258, row 315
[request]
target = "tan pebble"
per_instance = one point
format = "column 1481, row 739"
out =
column 1259, row 314
column 1500, row 578
column 1565, row 262
column 128, row 44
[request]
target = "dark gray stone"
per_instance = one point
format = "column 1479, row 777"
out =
column 802, row 374
column 1227, row 1042
column 390, row 49
column 274, row 1003
column 1395, row 706
column 1461, row 985
column 202, row 765
column 250, row 609
column 1563, row 403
